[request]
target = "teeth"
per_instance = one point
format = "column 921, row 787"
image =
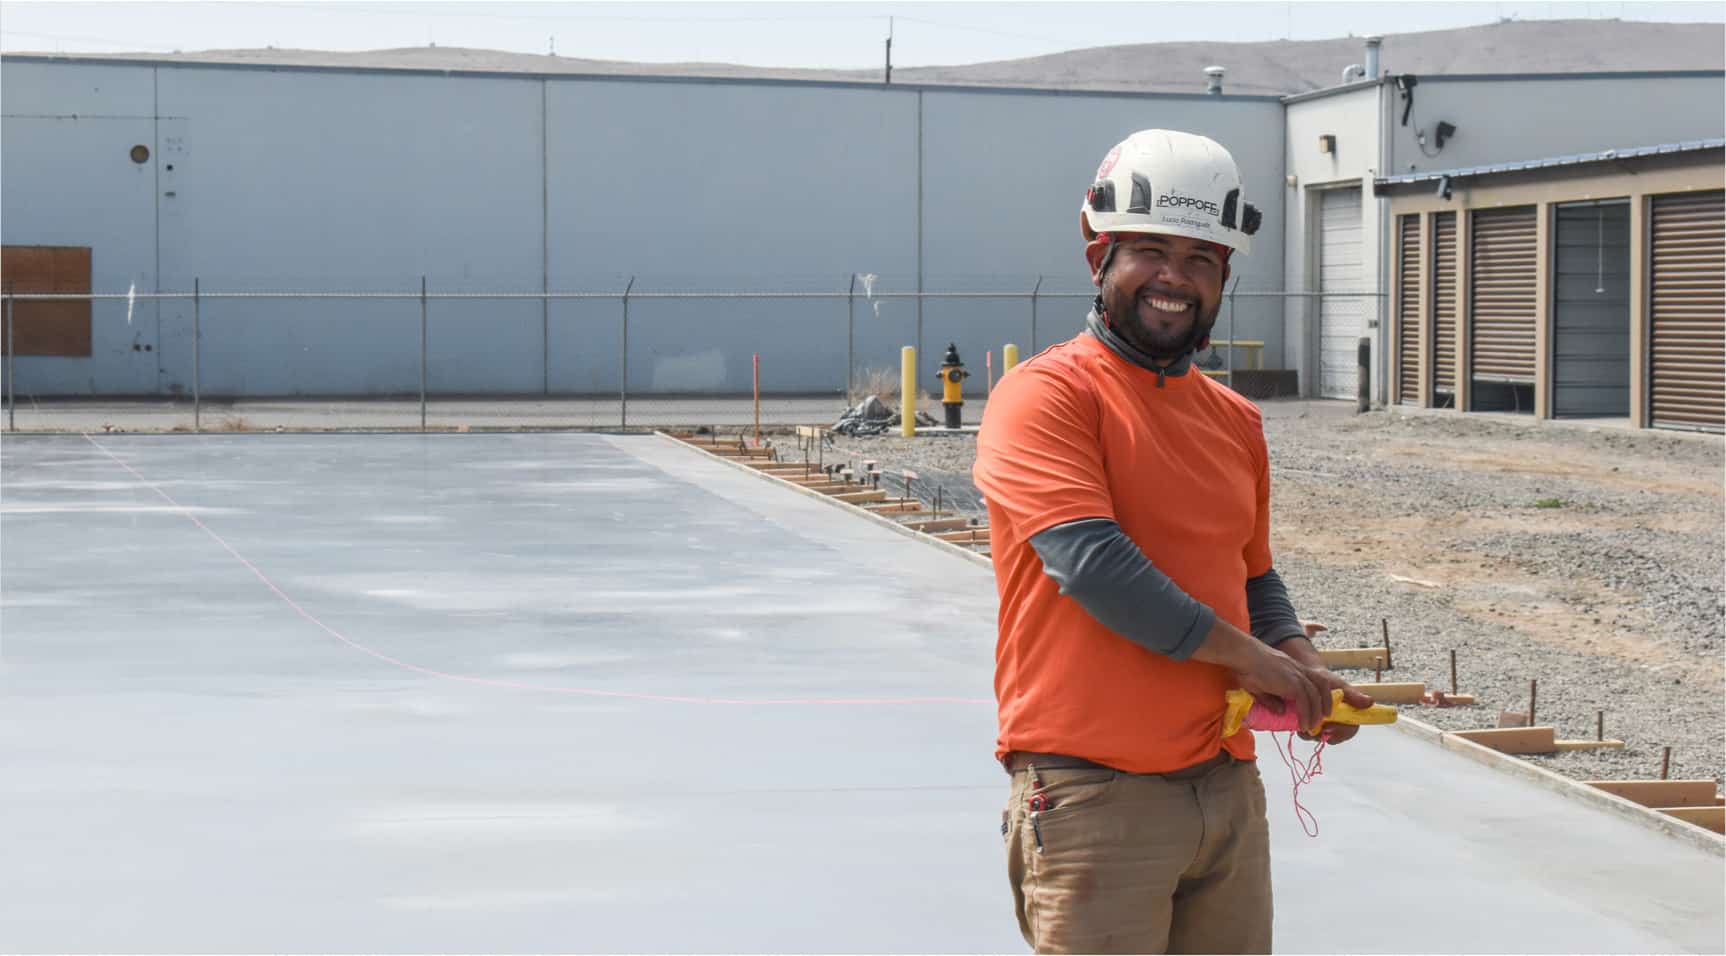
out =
column 1167, row 305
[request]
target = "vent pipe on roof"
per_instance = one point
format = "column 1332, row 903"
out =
column 1372, row 44
column 1214, row 80
column 1352, row 72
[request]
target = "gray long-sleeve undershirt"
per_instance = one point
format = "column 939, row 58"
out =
column 1097, row 565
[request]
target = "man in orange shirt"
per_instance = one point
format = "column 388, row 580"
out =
column 1129, row 506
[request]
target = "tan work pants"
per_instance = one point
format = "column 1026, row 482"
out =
column 1140, row 863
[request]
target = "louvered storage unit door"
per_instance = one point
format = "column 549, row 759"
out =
column 1687, row 290
column 1502, row 295
column 1444, row 308
column 1408, row 312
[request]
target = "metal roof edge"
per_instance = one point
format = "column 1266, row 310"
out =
column 636, row 78
column 1597, row 75
column 1329, row 91
column 1552, row 162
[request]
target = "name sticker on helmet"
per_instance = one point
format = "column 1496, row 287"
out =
column 1178, row 201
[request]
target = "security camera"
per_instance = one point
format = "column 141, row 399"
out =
column 1444, row 187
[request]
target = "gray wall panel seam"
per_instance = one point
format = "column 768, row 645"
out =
column 545, row 236
column 156, row 171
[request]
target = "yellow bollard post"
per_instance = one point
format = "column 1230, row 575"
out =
column 1009, row 357
column 908, row 391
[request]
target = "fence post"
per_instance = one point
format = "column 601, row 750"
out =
column 11, row 364
column 850, row 339
column 623, row 405
column 1034, row 290
column 422, row 353
column 1363, row 361
column 197, row 356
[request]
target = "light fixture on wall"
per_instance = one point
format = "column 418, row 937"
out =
column 1327, row 144
column 1444, row 187
column 140, row 153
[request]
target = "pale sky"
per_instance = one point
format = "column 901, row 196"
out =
column 832, row 35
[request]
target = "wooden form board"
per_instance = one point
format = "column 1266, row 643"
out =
column 1352, row 657
column 939, row 524
column 1565, row 746
column 862, row 497
column 894, row 506
column 48, row 328
column 1712, row 818
column 1661, row 793
column 966, row 536
column 1514, row 740
column 1404, row 693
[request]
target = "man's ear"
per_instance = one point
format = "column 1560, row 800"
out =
column 1094, row 252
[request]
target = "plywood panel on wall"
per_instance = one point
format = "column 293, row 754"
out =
column 59, row 328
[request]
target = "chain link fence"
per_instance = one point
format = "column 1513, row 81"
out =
column 626, row 359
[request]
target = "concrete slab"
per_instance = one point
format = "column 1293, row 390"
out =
column 576, row 692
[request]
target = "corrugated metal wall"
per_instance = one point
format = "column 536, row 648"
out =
column 1502, row 305
column 1408, row 310
column 1444, row 309
column 1688, row 311
column 288, row 180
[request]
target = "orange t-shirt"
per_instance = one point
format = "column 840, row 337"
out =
column 1079, row 432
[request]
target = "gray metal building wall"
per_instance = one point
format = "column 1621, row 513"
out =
column 304, row 179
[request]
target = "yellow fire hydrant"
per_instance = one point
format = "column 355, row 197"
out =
column 953, row 376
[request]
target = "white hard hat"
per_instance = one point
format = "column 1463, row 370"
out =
column 1174, row 183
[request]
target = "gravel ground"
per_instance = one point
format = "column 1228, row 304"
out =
column 1588, row 558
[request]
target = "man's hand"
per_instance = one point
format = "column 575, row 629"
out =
column 1301, row 650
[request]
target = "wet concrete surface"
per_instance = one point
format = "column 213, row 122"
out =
column 588, row 693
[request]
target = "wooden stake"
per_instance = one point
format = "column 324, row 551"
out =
column 1385, row 623
column 1377, row 675
column 1665, row 762
column 1453, row 670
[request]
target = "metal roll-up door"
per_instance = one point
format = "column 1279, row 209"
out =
column 1408, row 311
column 1342, row 321
column 1591, row 309
column 1502, row 305
column 1444, row 309
column 1687, row 291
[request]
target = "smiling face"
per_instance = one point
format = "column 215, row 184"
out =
column 1162, row 292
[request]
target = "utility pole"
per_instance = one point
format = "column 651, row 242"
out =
column 889, row 51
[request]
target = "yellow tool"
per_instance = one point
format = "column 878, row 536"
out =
column 1241, row 713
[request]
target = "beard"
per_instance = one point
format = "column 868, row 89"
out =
column 1161, row 335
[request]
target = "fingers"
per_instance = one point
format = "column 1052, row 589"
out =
column 1313, row 705
column 1340, row 733
column 1355, row 697
column 1312, row 627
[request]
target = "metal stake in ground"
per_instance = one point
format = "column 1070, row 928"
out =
column 1453, row 670
column 1533, row 685
column 1600, row 725
column 1385, row 623
column 1665, row 762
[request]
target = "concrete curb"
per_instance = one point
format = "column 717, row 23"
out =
column 1504, row 763
column 1564, row 786
column 947, row 546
